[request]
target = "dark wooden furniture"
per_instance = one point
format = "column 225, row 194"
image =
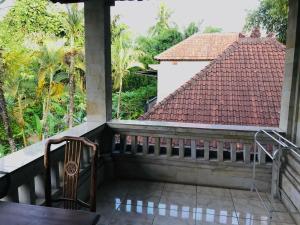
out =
column 74, row 148
column 21, row 214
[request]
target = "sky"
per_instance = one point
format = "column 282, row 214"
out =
column 140, row 15
column 228, row 14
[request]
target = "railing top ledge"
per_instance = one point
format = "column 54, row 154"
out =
column 27, row 155
column 160, row 124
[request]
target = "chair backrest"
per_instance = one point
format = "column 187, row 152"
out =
column 74, row 148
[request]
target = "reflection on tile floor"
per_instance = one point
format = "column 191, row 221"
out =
column 150, row 203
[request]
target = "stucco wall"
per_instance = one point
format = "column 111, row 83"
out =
column 171, row 75
column 228, row 175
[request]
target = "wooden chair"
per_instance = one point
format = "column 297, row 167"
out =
column 73, row 151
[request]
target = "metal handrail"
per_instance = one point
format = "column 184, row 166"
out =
column 279, row 139
column 283, row 143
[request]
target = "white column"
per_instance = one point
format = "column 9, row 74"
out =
column 98, row 60
column 289, row 115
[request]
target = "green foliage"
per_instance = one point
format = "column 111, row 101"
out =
column 37, row 67
column 162, row 21
column 272, row 15
column 117, row 28
column 163, row 35
column 133, row 103
column 35, row 77
column 4, row 149
column 27, row 17
column 123, row 57
column 152, row 46
column 134, row 81
column 211, row 29
column 73, row 22
column 191, row 29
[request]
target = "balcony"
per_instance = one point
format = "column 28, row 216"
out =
column 163, row 173
column 169, row 173
column 159, row 203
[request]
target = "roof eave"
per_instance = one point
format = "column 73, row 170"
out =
column 184, row 60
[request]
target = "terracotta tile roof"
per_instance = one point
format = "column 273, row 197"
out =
column 199, row 47
column 241, row 87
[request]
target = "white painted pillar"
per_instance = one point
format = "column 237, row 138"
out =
column 98, row 60
column 289, row 115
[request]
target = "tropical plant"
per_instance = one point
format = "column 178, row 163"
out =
column 135, row 80
column 3, row 107
column 124, row 57
column 152, row 46
column 161, row 36
column 19, row 85
column 191, row 29
column 27, row 17
column 3, row 150
column 74, row 27
column 133, row 103
column 163, row 20
column 36, row 72
column 42, row 88
column 50, row 59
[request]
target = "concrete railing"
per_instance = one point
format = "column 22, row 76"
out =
column 22, row 172
column 170, row 152
column 221, row 153
column 215, row 143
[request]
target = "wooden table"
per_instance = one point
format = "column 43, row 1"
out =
column 21, row 214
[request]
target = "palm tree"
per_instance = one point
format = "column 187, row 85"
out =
column 20, row 85
column 3, row 109
column 22, row 90
column 74, row 27
column 163, row 20
column 50, row 59
column 124, row 57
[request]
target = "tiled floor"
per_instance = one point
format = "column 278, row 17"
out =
column 145, row 203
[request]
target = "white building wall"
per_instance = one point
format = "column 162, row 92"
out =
column 171, row 75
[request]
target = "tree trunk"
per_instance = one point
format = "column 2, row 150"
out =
column 119, row 99
column 71, row 103
column 23, row 121
column 5, row 119
column 71, row 86
column 46, row 109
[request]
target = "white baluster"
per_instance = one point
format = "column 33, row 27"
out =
column 220, row 149
column 181, row 148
